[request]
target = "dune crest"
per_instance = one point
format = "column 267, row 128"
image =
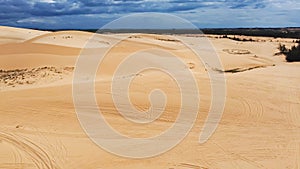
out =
column 12, row 35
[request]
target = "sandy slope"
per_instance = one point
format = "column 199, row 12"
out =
column 39, row 128
column 9, row 34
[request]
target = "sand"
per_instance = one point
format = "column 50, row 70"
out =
column 260, row 127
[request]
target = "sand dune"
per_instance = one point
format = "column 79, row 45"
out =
column 33, row 55
column 9, row 34
column 75, row 39
column 39, row 127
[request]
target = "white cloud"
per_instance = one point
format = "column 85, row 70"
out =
column 284, row 4
column 36, row 20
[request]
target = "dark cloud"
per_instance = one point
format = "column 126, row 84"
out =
column 239, row 4
column 77, row 7
column 18, row 12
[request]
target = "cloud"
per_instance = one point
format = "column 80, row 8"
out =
column 31, row 12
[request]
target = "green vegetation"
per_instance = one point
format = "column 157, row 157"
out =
column 266, row 32
column 238, row 39
column 291, row 55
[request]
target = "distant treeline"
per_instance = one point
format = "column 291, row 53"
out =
column 266, row 32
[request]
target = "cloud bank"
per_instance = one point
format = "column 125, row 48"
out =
column 83, row 14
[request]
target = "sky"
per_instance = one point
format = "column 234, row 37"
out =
column 93, row 14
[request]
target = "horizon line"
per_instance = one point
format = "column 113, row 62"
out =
column 199, row 28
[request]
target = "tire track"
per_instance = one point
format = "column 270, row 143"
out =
column 57, row 152
column 252, row 110
column 43, row 157
column 245, row 108
column 297, row 160
column 191, row 166
column 292, row 114
column 237, row 114
column 17, row 156
column 257, row 111
column 234, row 156
column 38, row 155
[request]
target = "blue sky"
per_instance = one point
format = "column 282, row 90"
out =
column 84, row 14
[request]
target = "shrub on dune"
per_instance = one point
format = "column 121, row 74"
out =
column 291, row 55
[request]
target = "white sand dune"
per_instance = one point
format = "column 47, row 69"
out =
column 9, row 34
column 260, row 127
column 75, row 39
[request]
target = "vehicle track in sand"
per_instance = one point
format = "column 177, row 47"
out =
column 251, row 110
column 233, row 157
column 292, row 111
column 37, row 154
column 297, row 160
